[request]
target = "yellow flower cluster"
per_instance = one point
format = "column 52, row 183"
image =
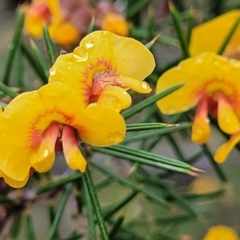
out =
column 67, row 23
column 87, row 89
column 211, row 82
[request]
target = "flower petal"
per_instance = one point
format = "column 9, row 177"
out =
column 203, row 75
column 115, row 23
column 13, row 182
column 224, row 150
column 103, row 127
column 215, row 32
column 64, row 33
column 73, row 156
column 221, row 232
column 141, row 87
column 102, row 51
column 115, row 98
column 43, row 159
column 200, row 129
column 227, row 119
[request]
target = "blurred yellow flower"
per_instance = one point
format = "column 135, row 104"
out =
column 103, row 67
column 209, row 36
column 221, row 232
column 115, row 23
column 211, row 82
column 36, row 124
column 48, row 12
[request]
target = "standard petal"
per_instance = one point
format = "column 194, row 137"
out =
column 103, row 126
column 128, row 56
column 215, row 32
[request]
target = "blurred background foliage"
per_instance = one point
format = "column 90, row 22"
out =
column 143, row 195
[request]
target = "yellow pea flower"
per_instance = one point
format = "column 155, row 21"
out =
column 36, row 124
column 115, row 23
column 48, row 12
column 103, row 67
column 209, row 36
column 221, row 232
column 211, row 82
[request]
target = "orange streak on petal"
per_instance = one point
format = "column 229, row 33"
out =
column 73, row 156
column 201, row 129
column 45, row 155
column 224, row 150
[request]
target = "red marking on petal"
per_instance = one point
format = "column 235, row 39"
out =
column 40, row 9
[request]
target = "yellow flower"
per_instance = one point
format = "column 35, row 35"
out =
column 48, row 12
column 103, row 67
column 37, row 123
column 211, row 83
column 209, row 36
column 115, row 23
column 221, row 232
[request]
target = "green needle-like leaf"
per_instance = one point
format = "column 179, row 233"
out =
column 50, row 45
column 159, row 132
column 147, row 158
column 13, row 47
column 59, row 212
column 136, row 7
column 90, row 213
column 29, row 230
column 149, row 101
column 179, row 30
column 61, row 182
column 149, row 126
column 95, row 203
column 116, row 226
column 128, row 183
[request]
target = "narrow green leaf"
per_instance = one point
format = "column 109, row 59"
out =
column 13, row 47
column 90, row 213
column 214, row 164
column 190, row 21
column 126, row 182
column 148, row 159
column 95, row 203
column 151, row 43
column 91, row 26
column 116, row 226
column 167, row 40
column 29, row 230
column 204, row 196
column 50, row 45
column 31, row 58
column 41, row 62
column 19, row 68
column 74, row 236
column 61, row 182
column 7, row 90
column 16, row 226
column 59, row 211
column 179, row 30
column 135, row 8
column 149, row 101
column 159, row 132
column 117, row 206
column 148, row 126
column 229, row 36
column 5, row 200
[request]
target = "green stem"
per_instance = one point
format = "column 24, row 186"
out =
column 90, row 213
column 95, row 203
column 29, row 227
column 59, row 212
